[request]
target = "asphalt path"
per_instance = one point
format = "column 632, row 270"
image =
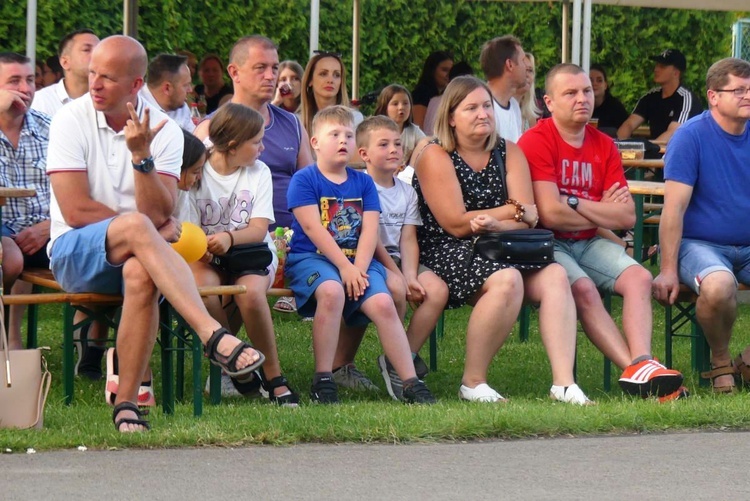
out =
column 684, row 466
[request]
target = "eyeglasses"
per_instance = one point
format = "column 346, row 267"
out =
column 325, row 53
column 738, row 92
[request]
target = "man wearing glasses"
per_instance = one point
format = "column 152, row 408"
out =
column 705, row 242
column 667, row 106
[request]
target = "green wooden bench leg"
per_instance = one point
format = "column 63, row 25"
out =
column 435, row 335
column 167, row 368
column 607, row 301
column 68, row 347
column 197, row 374
column 180, row 369
column 32, row 326
column 524, row 319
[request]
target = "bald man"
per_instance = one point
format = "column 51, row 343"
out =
column 113, row 165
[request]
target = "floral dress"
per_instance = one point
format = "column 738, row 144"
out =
column 451, row 258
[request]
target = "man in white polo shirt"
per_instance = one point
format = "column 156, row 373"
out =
column 75, row 53
column 113, row 167
column 167, row 86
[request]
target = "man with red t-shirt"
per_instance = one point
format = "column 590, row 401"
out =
column 580, row 187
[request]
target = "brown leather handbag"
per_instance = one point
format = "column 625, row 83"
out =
column 24, row 384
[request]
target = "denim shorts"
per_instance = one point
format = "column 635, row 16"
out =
column 79, row 261
column 699, row 258
column 599, row 259
column 307, row 270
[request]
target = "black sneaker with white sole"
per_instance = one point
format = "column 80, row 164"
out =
column 418, row 393
column 324, row 391
column 89, row 363
column 420, row 367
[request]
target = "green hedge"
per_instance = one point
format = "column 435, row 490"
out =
column 396, row 35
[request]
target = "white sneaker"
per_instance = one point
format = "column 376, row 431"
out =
column 480, row 393
column 569, row 394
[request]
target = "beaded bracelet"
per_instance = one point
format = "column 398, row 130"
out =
column 520, row 209
column 231, row 239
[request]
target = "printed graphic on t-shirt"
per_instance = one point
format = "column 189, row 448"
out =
column 343, row 220
column 229, row 213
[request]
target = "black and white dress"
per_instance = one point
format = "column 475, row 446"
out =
column 451, row 258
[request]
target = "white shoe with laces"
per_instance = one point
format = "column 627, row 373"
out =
column 569, row 394
column 480, row 393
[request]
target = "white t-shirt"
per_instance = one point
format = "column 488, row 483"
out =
column 227, row 203
column 181, row 115
column 81, row 141
column 398, row 206
column 508, row 123
column 50, row 99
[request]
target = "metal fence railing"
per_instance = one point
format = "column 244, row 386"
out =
column 741, row 39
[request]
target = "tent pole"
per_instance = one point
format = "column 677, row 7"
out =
column 565, row 32
column 314, row 25
column 31, row 31
column 355, row 49
column 586, row 49
column 130, row 18
column 576, row 56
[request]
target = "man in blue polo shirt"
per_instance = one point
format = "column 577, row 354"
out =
column 703, row 241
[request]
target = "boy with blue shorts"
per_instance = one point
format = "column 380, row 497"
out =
column 330, row 265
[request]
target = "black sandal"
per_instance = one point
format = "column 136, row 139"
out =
column 288, row 399
column 129, row 406
column 229, row 363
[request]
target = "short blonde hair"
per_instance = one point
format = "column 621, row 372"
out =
column 370, row 125
column 454, row 94
column 336, row 114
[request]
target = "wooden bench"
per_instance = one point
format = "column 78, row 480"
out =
column 174, row 338
column 679, row 321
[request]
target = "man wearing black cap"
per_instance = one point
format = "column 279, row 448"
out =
column 667, row 106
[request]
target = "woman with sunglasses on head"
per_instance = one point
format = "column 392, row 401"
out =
column 289, row 87
column 324, row 85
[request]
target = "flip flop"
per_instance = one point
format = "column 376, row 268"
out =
column 285, row 304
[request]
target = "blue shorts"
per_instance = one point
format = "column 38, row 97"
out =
column 307, row 270
column 79, row 261
column 699, row 258
column 599, row 259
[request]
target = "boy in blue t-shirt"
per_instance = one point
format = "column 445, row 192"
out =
column 330, row 264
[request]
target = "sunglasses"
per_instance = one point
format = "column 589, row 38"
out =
column 325, row 53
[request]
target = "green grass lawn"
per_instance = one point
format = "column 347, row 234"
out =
column 520, row 372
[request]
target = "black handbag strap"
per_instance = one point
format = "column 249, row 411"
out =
column 499, row 153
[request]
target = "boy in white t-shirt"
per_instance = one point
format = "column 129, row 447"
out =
column 379, row 144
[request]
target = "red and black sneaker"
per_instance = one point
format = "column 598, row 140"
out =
column 650, row 378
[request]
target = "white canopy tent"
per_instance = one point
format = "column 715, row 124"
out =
column 581, row 43
column 581, row 23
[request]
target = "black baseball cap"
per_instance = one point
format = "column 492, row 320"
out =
column 671, row 57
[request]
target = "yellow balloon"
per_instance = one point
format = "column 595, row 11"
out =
column 192, row 244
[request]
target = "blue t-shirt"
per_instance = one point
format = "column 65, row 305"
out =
column 717, row 165
column 341, row 206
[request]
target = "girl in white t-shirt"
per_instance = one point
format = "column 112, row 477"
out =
column 233, row 204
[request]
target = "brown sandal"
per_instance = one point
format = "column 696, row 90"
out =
column 715, row 372
column 742, row 369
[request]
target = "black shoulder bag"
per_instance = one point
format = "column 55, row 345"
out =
column 245, row 259
column 526, row 249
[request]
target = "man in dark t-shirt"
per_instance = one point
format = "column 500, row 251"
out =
column 665, row 107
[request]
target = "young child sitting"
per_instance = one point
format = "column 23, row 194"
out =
column 330, row 266
column 380, row 147
column 232, row 203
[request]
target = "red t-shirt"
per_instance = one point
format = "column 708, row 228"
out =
column 584, row 172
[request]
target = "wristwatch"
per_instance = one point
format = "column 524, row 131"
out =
column 573, row 202
column 146, row 165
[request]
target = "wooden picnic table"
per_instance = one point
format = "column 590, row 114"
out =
column 639, row 190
